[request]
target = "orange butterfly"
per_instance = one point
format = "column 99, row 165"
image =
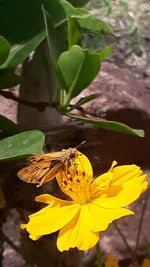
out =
column 43, row 168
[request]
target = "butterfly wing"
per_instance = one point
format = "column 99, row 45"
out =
column 45, row 157
column 56, row 167
column 44, row 167
column 37, row 172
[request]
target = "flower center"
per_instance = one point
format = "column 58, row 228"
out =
column 76, row 184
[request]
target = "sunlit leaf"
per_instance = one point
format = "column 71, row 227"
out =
column 69, row 9
column 78, row 67
column 109, row 125
column 85, row 19
column 22, row 145
column 92, row 23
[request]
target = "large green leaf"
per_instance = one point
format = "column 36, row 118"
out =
column 21, row 20
column 22, row 145
column 7, row 126
column 77, row 67
column 109, row 125
column 20, row 52
column 8, row 79
column 4, row 49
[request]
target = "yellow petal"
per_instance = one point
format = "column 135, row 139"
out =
column 23, row 226
column 146, row 263
column 124, row 173
column 76, row 178
column 51, row 200
column 50, row 219
column 103, row 181
column 77, row 233
column 80, row 164
column 100, row 184
column 99, row 218
column 111, row 261
column 83, row 164
column 33, row 237
column 130, row 191
column 114, row 163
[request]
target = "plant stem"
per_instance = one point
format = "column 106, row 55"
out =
column 123, row 238
column 142, row 219
column 99, row 255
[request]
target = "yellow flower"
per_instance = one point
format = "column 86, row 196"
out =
column 111, row 261
column 93, row 206
column 146, row 263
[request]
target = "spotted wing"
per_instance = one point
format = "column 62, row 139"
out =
column 39, row 171
column 45, row 157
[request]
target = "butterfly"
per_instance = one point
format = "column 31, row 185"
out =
column 43, row 168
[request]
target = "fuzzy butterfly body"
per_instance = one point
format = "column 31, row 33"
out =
column 43, row 168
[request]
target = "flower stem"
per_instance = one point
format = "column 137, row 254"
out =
column 99, row 255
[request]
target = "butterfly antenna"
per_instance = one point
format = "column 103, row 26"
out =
column 80, row 144
column 83, row 171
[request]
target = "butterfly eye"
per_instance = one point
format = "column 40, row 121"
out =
column 72, row 155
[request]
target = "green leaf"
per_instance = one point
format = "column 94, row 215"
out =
column 50, row 35
column 7, row 126
column 86, row 99
column 4, row 49
column 105, row 52
column 92, row 23
column 20, row 52
column 55, row 38
column 22, row 145
column 69, row 9
column 8, row 79
column 78, row 2
column 77, row 67
column 109, row 125
column 74, row 35
column 85, row 19
column 20, row 21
